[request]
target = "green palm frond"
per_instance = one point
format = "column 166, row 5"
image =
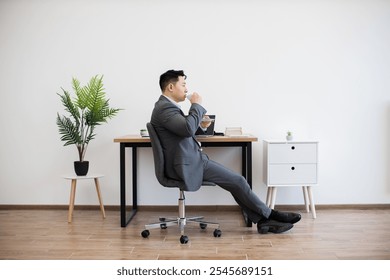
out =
column 101, row 115
column 69, row 106
column 68, row 131
column 93, row 94
column 82, row 94
column 91, row 135
column 88, row 109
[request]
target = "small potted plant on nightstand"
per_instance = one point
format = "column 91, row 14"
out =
column 289, row 136
column 88, row 109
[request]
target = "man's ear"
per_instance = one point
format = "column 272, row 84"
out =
column 170, row 87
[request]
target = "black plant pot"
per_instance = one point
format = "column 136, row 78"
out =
column 81, row 167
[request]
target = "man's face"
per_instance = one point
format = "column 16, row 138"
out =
column 179, row 90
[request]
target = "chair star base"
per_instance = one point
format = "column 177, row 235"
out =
column 181, row 222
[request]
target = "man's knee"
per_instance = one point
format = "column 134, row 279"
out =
column 240, row 182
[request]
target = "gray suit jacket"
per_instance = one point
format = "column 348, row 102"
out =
column 182, row 153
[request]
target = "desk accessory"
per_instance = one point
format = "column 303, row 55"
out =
column 233, row 131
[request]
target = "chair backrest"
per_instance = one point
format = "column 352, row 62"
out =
column 159, row 161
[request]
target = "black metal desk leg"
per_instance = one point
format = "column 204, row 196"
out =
column 124, row 218
column 247, row 173
column 123, row 184
column 135, row 183
column 244, row 162
column 249, row 163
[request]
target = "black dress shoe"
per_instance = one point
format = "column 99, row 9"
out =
column 285, row 217
column 266, row 226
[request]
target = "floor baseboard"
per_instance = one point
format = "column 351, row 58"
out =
column 284, row 207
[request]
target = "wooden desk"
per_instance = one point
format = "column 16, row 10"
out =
column 136, row 141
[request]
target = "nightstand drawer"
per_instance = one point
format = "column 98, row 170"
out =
column 292, row 153
column 290, row 174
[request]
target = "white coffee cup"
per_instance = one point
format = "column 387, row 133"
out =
column 188, row 96
column 144, row 133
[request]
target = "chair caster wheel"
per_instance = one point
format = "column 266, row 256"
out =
column 184, row 239
column 145, row 233
column 163, row 226
column 203, row 226
column 217, row 233
column 162, row 219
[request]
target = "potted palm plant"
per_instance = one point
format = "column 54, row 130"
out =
column 86, row 110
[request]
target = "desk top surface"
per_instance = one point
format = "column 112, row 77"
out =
column 140, row 139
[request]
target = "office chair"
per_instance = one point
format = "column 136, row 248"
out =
column 181, row 220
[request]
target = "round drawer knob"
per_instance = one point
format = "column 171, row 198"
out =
column 293, row 148
column 293, row 168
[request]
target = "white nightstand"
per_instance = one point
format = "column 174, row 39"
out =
column 291, row 163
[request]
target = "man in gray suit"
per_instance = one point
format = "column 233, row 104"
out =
column 185, row 161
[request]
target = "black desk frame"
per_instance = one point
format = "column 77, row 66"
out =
column 125, row 219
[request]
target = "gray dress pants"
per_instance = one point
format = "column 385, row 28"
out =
column 237, row 185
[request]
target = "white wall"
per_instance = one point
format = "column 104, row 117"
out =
column 318, row 68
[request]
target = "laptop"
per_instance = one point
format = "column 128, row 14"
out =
column 210, row 130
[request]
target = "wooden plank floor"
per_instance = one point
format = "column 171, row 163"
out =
column 335, row 234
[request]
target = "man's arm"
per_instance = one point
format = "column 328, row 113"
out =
column 184, row 126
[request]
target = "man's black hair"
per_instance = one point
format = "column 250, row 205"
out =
column 171, row 76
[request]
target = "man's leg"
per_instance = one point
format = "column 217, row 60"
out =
column 238, row 187
column 267, row 219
